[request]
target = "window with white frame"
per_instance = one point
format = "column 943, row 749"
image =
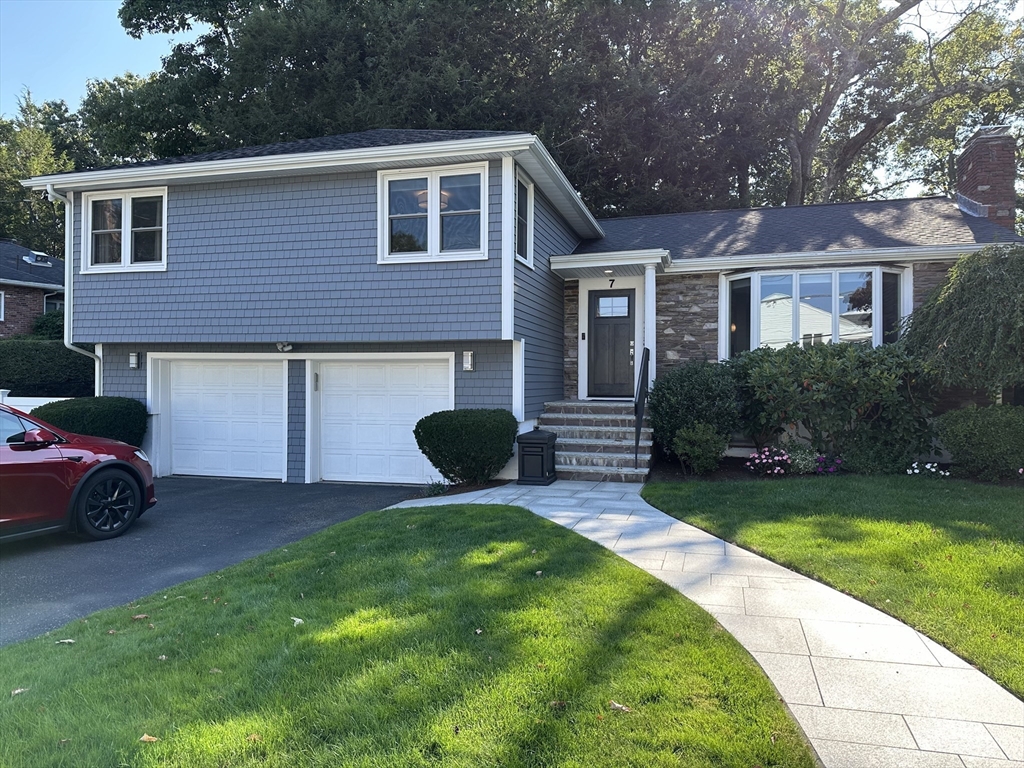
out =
column 816, row 306
column 432, row 214
column 524, row 220
column 1, row 305
column 124, row 231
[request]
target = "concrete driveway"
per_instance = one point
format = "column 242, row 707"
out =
column 199, row 525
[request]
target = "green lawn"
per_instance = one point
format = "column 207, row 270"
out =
column 945, row 556
column 454, row 636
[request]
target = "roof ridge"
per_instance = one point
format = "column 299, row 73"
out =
column 777, row 207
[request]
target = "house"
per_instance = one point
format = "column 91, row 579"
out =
column 31, row 283
column 290, row 311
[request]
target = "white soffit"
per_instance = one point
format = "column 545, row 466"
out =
column 610, row 265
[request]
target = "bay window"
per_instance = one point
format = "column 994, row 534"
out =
column 124, row 231
column 814, row 306
column 432, row 214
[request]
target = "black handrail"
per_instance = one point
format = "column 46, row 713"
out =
column 640, row 402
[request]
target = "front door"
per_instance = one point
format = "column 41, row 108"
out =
column 611, row 344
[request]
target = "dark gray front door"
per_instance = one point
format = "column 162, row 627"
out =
column 610, row 359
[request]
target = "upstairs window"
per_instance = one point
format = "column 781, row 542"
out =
column 524, row 220
column 124, row 231
column 432, row 215
column 809, row 307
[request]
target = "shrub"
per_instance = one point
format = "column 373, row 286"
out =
column 699, row 447
column 49, row 326
column 695, row 392
column 847, row 397
column 33, row 368
column 471, row 445
column 769, row 462
column 985, row 443
column 803, row 460
column 118, row 418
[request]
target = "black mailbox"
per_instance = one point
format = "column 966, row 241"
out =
column 536, row 457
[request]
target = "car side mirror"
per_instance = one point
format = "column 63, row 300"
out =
column 39, row 437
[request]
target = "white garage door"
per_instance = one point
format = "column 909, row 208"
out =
column 368, row 411
column 227, row 419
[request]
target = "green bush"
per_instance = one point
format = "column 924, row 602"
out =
column 49, row 326
column 695, row 392
column 985, row 443
column 119, row 418
column 699, row 448
column 803, row 460
column 33, row 368
column 470, row 445
column 850, row 398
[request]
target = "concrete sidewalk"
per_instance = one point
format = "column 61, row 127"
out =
column 869, row 691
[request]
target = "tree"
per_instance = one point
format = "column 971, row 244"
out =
column 970, row 331
column 861, row 69
column 26, row 150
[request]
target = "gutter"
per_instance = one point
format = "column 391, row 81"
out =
column 28, row 284
column 69, row 263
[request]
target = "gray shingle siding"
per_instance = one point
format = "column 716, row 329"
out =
column 288, row 259
column 538, row 308
column 296, row 421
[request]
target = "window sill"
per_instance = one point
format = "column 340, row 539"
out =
column 419, row 258
column 114, row 269
column 525, row 262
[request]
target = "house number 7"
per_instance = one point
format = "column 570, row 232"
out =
column 611, row 283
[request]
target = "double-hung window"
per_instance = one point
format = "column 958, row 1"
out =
column 524, row 220
column 124, row 231
column 818, row 306
column 432, row 214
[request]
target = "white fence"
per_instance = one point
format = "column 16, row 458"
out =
column 26, row 404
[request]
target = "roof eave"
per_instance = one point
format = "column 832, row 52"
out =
column 55, row 287
column 838, row 257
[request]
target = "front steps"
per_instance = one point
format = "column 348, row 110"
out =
column 596, row 441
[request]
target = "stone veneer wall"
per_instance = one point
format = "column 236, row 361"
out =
column 571, row 306
column 687, row 318
column 928, row 275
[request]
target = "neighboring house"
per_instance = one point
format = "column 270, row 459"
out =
column 31, row 283
column 290, row 311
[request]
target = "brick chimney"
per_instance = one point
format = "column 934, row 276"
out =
column 985, row 175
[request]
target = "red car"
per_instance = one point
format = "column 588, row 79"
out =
column 52, row 480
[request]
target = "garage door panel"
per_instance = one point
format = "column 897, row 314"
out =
column 227, row 419
column 369, row 411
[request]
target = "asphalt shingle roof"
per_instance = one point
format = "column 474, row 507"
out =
column 832, row 227
column 380, row 137
column 14, row 269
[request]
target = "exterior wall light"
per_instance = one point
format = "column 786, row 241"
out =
column 468, row 362
column 133, row 360
column 284, row 346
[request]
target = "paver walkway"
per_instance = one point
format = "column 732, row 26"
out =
column 869, row 691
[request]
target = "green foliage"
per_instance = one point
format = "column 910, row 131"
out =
column 117, row 418
column 970, row 332
column 848, row 397
column 803, row 460
column 985, row 443
column 699, row 447
column 694, row 392
column 49, row 326
column 470, row 445
column 33, row 368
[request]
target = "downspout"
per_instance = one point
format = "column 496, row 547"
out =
column 69, row 263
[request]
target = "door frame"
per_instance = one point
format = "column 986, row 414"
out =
column 313, row 391
column 586, row 285
column 634, row 359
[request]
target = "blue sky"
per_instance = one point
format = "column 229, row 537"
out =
column 53, row 47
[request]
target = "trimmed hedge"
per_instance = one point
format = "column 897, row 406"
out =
column 118, row 418
column 35, row 368
column 49, row 326
column 985, row 443
column 692, row 393
column 470, row 445
column 699, row 448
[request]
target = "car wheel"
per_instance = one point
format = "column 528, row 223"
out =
column 108, row 504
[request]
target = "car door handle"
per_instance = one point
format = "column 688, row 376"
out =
column 75, row 459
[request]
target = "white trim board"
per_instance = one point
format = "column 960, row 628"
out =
column 586, row 285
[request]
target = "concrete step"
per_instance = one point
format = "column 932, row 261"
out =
column 600, row 460
column 585, row 420
column 622, row 434
column 590, row 445
column 601, row 474
column 605, row 407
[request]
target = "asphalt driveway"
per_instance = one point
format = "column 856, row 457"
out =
column 199, row 525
